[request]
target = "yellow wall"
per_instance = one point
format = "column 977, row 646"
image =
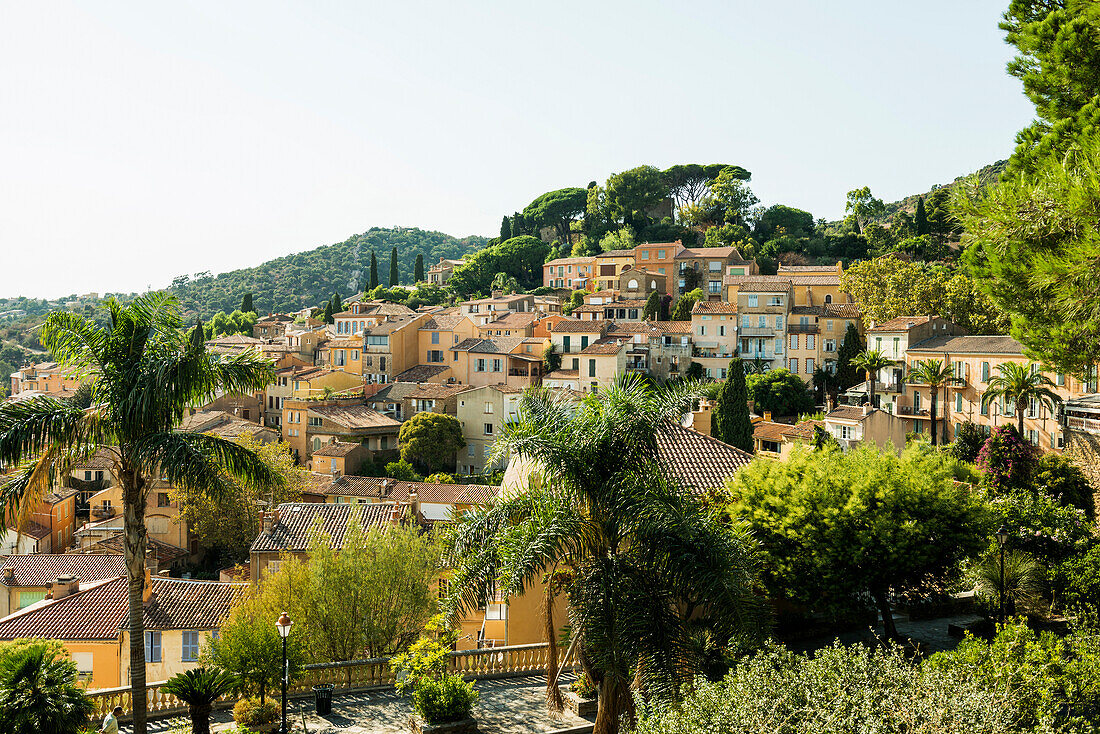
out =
column 106, row 660
column 171, row 656
column 314, row 387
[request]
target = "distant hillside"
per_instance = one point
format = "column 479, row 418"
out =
column 309, row 278
column 986, row 175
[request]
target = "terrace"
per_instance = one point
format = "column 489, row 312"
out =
column 511, row 685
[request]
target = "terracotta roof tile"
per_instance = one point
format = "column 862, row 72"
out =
column 392, row 490
column 576, row 326
column 337, row 448
column 354, row 416
column 298, row 520
column 421, row 373
column 901, row 323
column 607, row 345
column 700, row 462
column 99, row 612
column 718, row 307
column 165, row 554
column 970, row 345
column 41, row 569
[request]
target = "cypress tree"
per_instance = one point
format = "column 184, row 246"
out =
column 418, row 269
column 921, row 218
column 246, row 303
column 652, row 307
column 519, row 225
column 505, row 228
column 198, row 339
column 393, row 267
column 846, row 374
column 373, row 270
column 337, row 304
column 731, row 421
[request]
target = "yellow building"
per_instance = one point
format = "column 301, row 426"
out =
column 714, row 336
column 90, row 620
column 974, row 361
column 815, row 334
column 811, row 285
column 342, row 354
column 319, row 381
column 310, row 424
column 609, row 265
column 391, row 347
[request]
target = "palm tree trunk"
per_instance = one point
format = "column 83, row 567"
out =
column 1020, row 418
column 946, row 416
column 933, row 417
column 554, row 702
column 200, row 719
column 871, row 379
column 134, row 546
column 610, row 706
column 887, row 614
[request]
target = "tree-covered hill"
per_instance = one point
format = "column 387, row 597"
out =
column 310, row 278
column 986, row 175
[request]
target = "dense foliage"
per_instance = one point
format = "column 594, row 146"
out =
column 429, row 441
column 731, row 420
column 779, row 392
column 837, row 527
column 39, row 691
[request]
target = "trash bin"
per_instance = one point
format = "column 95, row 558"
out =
column 322, row 697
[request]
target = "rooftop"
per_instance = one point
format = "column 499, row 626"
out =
column 970, row 345
column 337, row 448
column 700, row 462
column 714, row 307
column 421, row 373
column 392, row 490
column 901, row 323
column 99, row 611
column 576, row 326
column 41, row 569
column 298, row 521
column 355, row 416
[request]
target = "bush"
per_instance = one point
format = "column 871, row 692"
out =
column 1006, row 460
column 1058, row 477
column 440, row 700
column 838, row 691
column 250, row 712
column 968, row 442
column 1082, row 580
column 403, row 471
column 779, row 392
column 583, row 686
column 1052, row 683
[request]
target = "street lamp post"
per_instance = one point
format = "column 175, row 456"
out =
column 283, row 625
column 1002, row 538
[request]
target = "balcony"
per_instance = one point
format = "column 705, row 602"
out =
column 758, row 331
column 803, row 328
column 636, row 367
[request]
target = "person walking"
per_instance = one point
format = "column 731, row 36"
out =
column 110, row 721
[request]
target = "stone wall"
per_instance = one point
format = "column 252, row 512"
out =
column 1083, row 449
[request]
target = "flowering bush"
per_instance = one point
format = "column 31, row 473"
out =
column 1040, row 526
column 1006, row 460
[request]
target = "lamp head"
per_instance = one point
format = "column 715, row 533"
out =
column 283, row 625
column 1002, row 536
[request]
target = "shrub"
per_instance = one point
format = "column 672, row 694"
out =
column 1082, row 579
column 250, row 712
column 1058, row 477
column 439, row 700
column 583, row 686
column 1052, row 683
column 1006, row 460
column 39, row 692
column 968, row 442
column 838, row 691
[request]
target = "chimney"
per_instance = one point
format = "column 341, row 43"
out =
column 64, row 586
column 768, row 415
column 866, row 409
column 335, row 471
column 414, row 502
column 385, row 487
column 498, row 294
column 9, row 574
column 150, row 568
column 266, row 521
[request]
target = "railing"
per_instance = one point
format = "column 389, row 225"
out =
column 356, row 675
column 803, row 328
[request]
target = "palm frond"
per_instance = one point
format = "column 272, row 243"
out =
column 203, row 462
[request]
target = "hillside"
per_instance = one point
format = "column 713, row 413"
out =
column 986, row 175
column 310, row 278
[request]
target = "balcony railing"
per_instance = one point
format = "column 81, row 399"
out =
column 803, row 328
column 356, row 675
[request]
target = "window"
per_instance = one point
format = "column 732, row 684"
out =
column 794, row 341
column 761, row 321
column 779, row 322
column 488, row 429
column 190, row 646
column 662, row 272
column 421, row 405
column 775, row 301
column 809, row 366
column 983, row 407
column 162, row 499
column 378, row 341
column 793, row 365
column 958, row 402
column 754, row 301
column 722, row 330
column 828, row 298
column 480, row 366
column 1060, row 380
column 714, row 286
column 645, row 254
column 660, row 254
column 315, row 422
column 435, row 337
column 83, row 662
column 316, row 444
column 1033, row 436
column 87, row 476
column 847, row 432
column 714, row 266
column 584, row 341
column 576, row 363
column 830, row 345
column 435, row 355
column 383, row 443
column 470, row 450
column 916, row 401
column 381, row 363
column 591, row 368
column 498, row 365
column 810, row 341
column 703, row 330
column 152, row 646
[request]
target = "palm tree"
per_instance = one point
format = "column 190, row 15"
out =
column 935, row 373
column 39, row 693
column 1022, row 582
column 1020, row 384
column 871, row 361
column 199, row 689
column 145, row 372
column 646, row 556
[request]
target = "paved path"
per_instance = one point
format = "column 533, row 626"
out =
column 512, row 705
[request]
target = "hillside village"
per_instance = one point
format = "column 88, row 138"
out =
column 659, row 458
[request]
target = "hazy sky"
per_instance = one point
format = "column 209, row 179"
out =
column 140, row 141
